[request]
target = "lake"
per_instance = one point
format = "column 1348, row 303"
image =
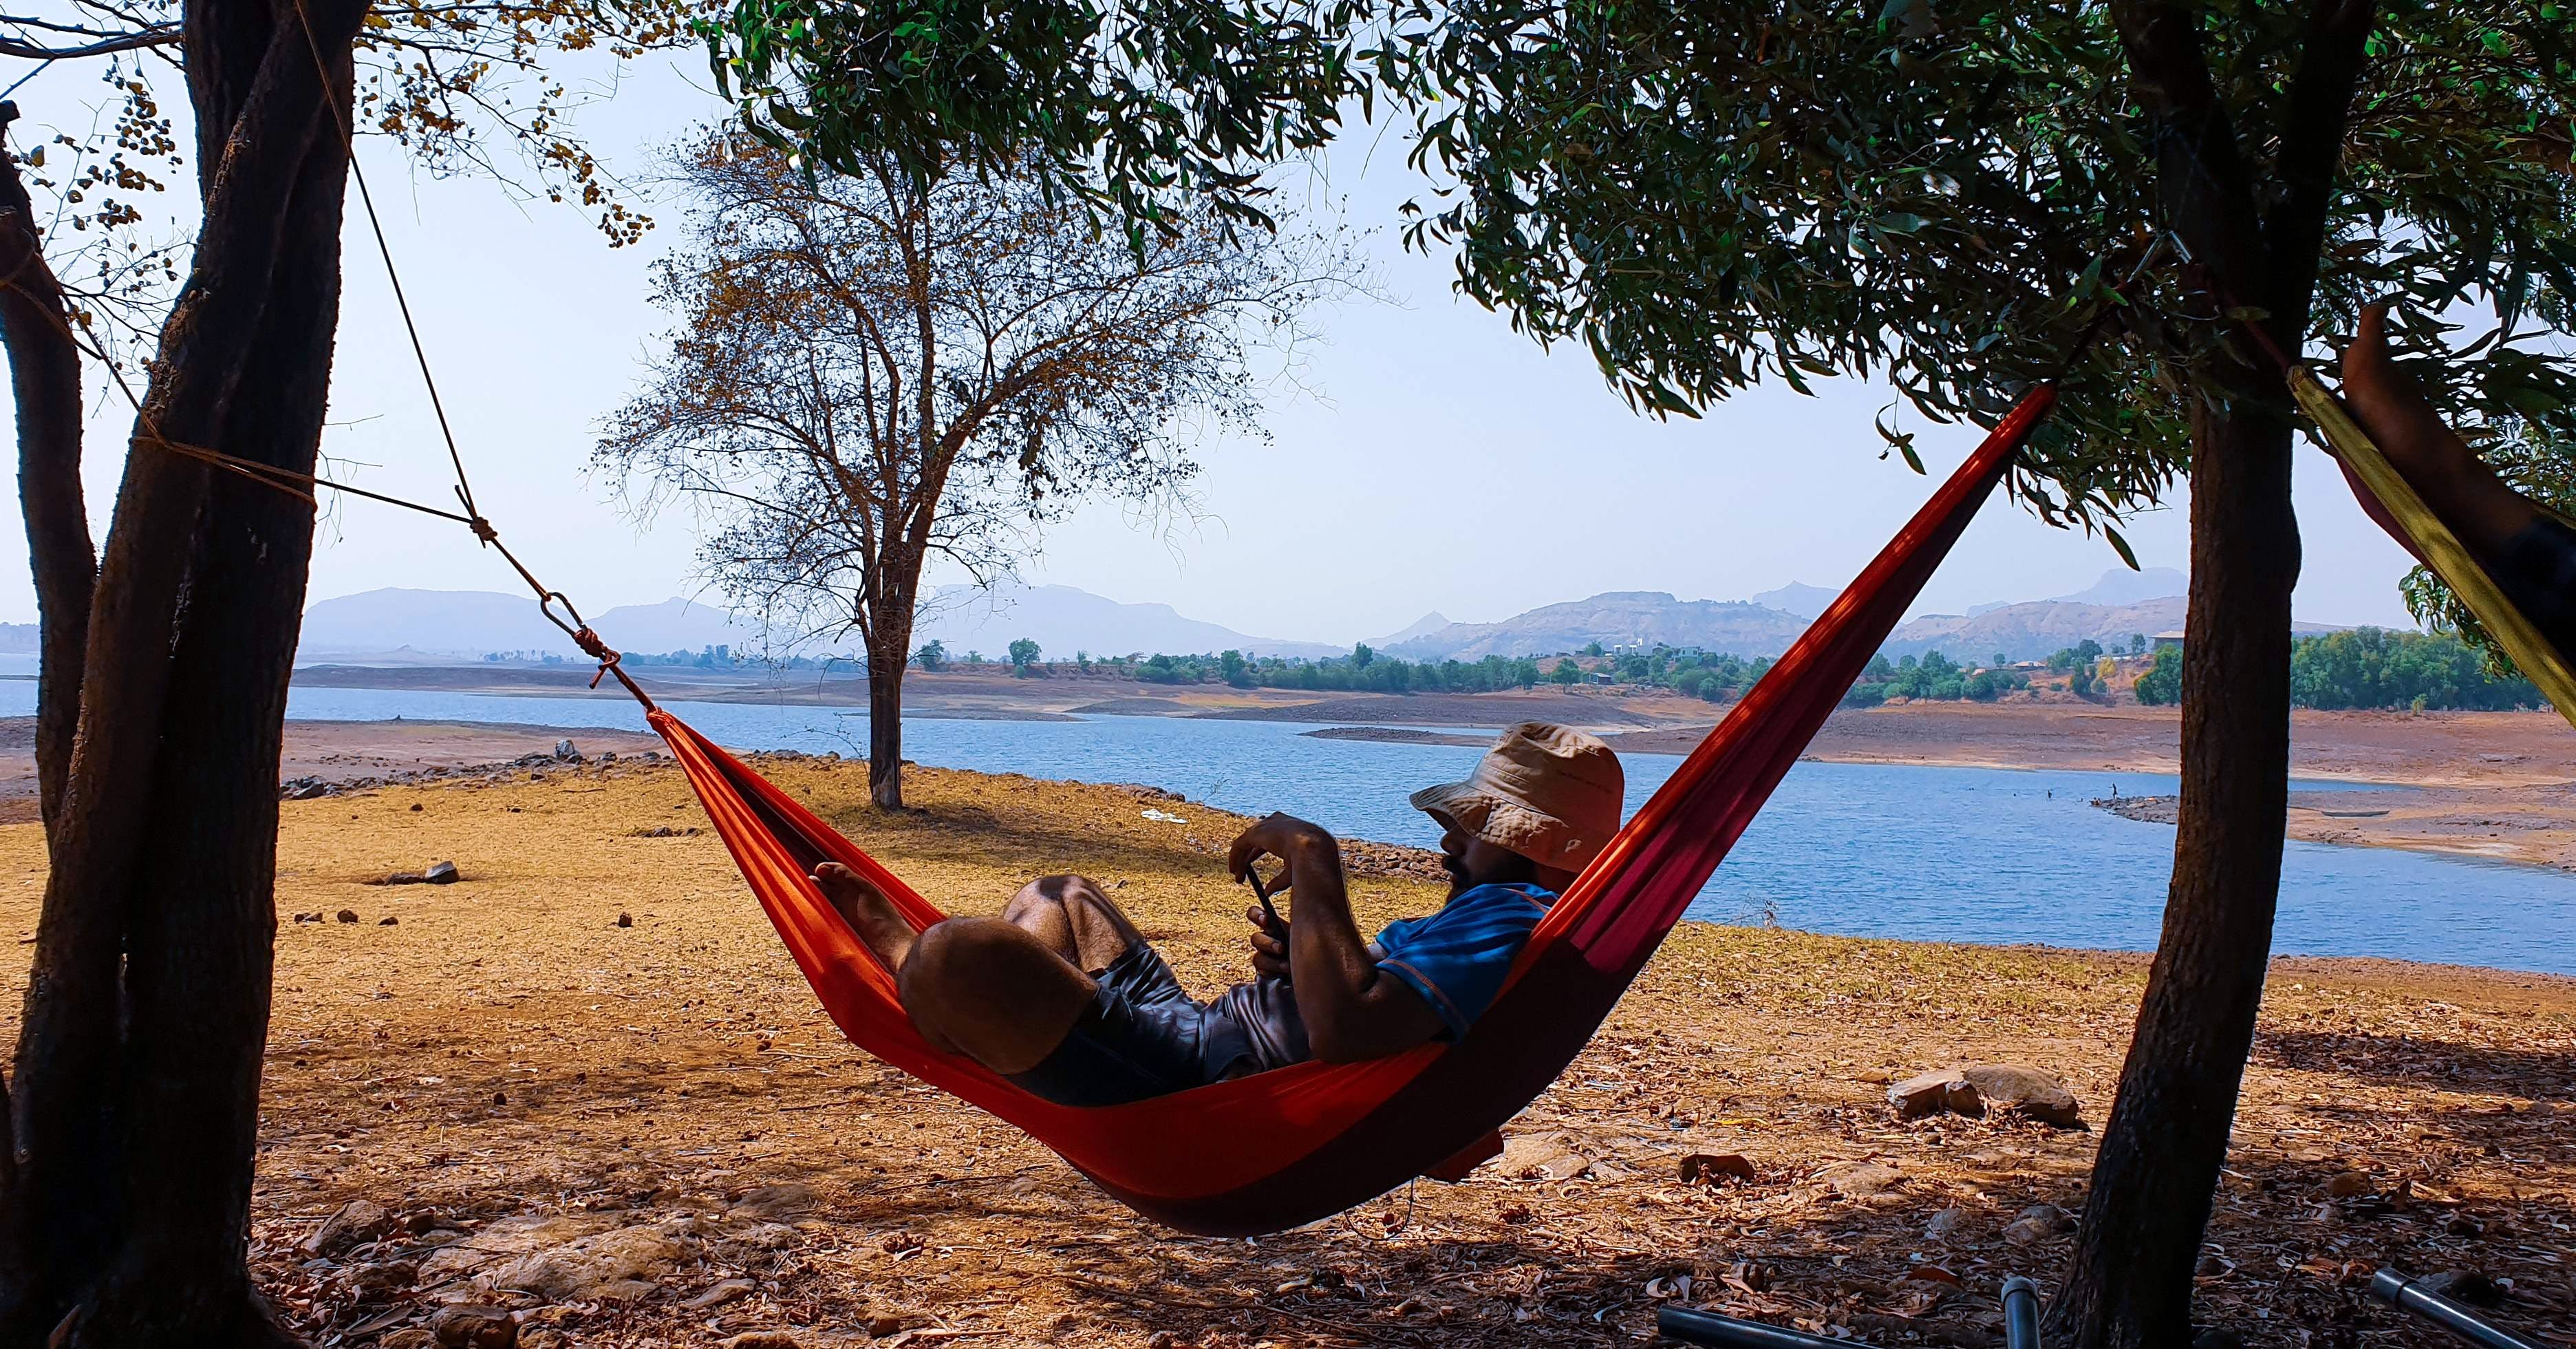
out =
column 1926, row 854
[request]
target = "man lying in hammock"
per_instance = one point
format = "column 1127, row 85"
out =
column 1063, row 996
column 2529, row 552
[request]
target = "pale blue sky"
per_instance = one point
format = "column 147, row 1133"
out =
column 1448, row 463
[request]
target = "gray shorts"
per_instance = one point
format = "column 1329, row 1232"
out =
column 1145, row 1036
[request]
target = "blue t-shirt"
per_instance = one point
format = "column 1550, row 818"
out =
column 1456, row 958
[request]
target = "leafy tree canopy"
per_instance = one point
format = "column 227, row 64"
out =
column 1712, row 193
column 1139, row 107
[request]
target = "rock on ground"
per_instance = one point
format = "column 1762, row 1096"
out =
column 2012, row 1089
column 615, row 1266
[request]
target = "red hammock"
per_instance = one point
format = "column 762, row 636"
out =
column 1268, row 1152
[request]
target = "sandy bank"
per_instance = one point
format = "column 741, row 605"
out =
column 506, row 1059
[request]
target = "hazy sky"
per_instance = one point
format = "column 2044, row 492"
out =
column 1445, row 463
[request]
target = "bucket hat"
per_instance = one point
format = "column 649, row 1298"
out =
column 1550, row 793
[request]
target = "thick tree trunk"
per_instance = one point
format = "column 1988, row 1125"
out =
column 885, row 721
column 2130, row 1282
column 138, row 1061
column 45, row 382
column 2167, row 1134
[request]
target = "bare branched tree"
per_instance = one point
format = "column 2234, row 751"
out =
column 873, row 372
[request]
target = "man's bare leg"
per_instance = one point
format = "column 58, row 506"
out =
column 1074, row 919
column 868, row 912
column 2436, row 462
column 990, row 989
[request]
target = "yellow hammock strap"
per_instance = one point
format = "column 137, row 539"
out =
column 2542, row 663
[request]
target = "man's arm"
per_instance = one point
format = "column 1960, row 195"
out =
column 1352, row 1009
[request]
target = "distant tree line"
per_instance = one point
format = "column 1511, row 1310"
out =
column 1934, row 678
column 2374, row 669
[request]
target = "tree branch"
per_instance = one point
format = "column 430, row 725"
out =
column 44, row 376
column 166, row 35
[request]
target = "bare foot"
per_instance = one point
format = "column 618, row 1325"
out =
column 868, row 912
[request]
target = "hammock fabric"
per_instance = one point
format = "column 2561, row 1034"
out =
column 2385, row 493
column 1272, row 1151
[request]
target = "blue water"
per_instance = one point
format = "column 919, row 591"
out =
column 1946, row 854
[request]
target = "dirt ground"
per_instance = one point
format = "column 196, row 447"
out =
column 587, row 1085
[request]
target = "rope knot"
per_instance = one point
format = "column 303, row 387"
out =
column 483, row 529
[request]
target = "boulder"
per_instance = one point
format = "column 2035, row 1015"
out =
column 615, row 1266
column 564, row 752
column 2021, row 1090
column 358, row 1222
column 2011, row 1089
column 441, row 873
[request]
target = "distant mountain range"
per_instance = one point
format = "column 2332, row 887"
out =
column 428, row 626
column 1616, row 618
column 2121, row 604
column 431, row 625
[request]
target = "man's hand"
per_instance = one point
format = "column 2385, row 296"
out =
column 1282, row 836
column 1269, row 944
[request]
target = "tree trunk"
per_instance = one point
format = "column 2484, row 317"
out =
column 45, row 381
column 2166, row 1138
column 885, row 718
column 2130, row 1281
column 147, row 1009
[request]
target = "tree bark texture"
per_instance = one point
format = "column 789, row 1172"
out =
column 45, row 383
column 2130, row 1281
column 147, row 1009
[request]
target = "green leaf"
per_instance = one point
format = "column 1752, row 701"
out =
column 2121, row 546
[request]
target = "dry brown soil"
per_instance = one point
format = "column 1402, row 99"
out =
column 508, row 1064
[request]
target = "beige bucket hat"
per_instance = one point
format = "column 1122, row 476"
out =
column 1550, row 793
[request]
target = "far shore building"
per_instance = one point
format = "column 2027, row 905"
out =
column 2168, row 639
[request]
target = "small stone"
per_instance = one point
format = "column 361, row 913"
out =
column 470, row 1326
column 1935, row 1092
column 308, row 918
column 626, row 920
column 1859, row 1180
column 2463, row 1285
column 1541, row 1157
column 1945, row 1224
column 565, row 751
column 347, row 915
column 771, row 1202
column 358, row 1222
column 441, row 873
column 1710, row 1167
column 719, row 1294
column 2038, row 1223
column 2346, row 1185
column 381, row 1283
column 2462, row 1225
column 388, row 921
column 882, row 1326
column 415, row 807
